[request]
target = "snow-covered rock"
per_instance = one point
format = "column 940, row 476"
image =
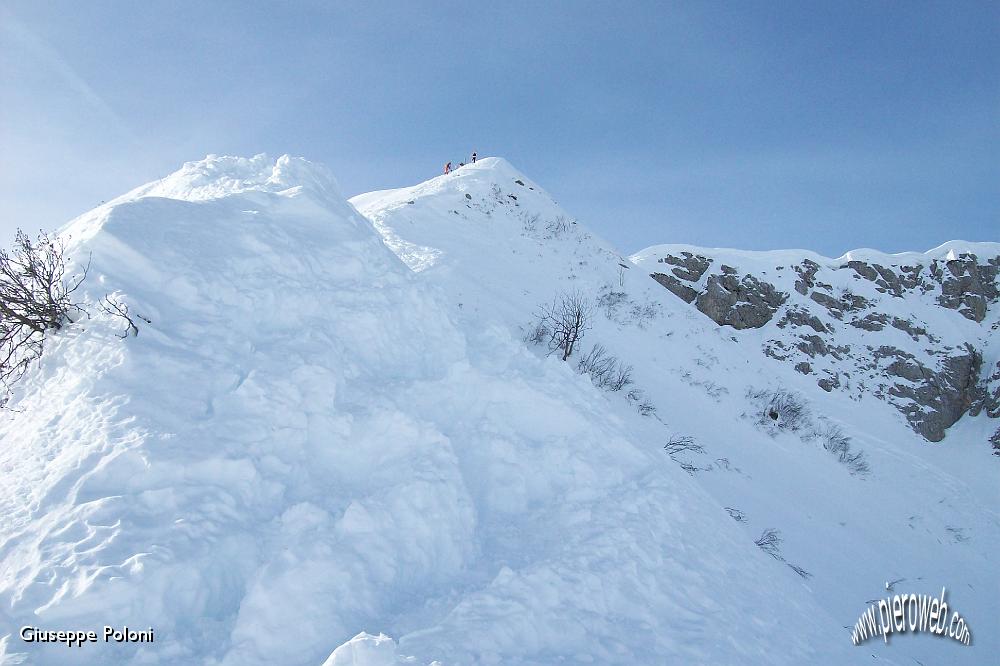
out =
column 864, row 323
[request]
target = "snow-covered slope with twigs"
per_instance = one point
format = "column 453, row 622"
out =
column 332, row 424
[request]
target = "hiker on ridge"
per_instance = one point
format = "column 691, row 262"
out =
column 447, row 168
column 473, row 157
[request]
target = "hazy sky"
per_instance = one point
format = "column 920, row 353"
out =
column 827, row 126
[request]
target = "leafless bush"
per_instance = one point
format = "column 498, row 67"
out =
column 689, row 467
column 781, row 410
column 529, row 222
column 682, row 444
column 646, row 408
column 35, row 298
column 559, row 226
column 678, row 444
column 637, row 397
column 838, row 443
column 537, row 333
column 799, row 570
column 610, row 301
column 116, row 308
column 606, row 371
column 565, row 322
column 642, row 313
column 736, row 514
column 497, row 194
column 856, row 463
column 770, row 542
column 833, row 439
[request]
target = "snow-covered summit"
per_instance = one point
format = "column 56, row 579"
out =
column 218, row 176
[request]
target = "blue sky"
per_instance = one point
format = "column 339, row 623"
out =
column 758, row 125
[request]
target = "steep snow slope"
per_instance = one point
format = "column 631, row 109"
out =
column 923, row 517
column 309, row 440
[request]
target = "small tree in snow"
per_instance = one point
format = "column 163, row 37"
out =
column 35, row 298
column 564, row 323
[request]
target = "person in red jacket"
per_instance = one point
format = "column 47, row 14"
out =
column 447, row 168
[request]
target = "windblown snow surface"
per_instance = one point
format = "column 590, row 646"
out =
column 332, row 445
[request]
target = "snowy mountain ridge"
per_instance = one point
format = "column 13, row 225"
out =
column 333, row 424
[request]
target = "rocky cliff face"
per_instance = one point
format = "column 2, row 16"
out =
column 914, row 330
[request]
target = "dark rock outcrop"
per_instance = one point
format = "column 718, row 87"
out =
column 934, row 383
column 967, row 285
column 740, row 303
column 933, row 398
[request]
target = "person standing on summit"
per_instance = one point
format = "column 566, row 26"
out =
column 473, row 157
column 447, row 168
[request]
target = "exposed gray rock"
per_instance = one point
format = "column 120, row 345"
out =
column 939, row 397
column 848, row 302
column 775, row 349
column 798, row 316
column 874, row 321
column 933, row 385
column 689, row 266
column 813, row 345
column 829, row 302
column 887, row 280
column 807, row 271
column 864, row 270
column 967, row 285
column 676, row 287
column 829, row 383
column 908, row 326
column 744, row 303
column 988, row 394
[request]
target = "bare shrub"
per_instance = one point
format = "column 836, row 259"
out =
column 35, row 298
column 770, row 542
column 646, row 408
column 678, row 444
column 610, row 301
column 682, row 444
column 856, row 463
column 529, row 222
column 497, row 194
column 833, row 439
column 559, row 226
column 781, row 410
column 642, row 313
column 606, row 371
column 799, row 570
column 838, row 443
column 565, row 322
column 537, row 333
column 112, row 306
column 736, row 514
